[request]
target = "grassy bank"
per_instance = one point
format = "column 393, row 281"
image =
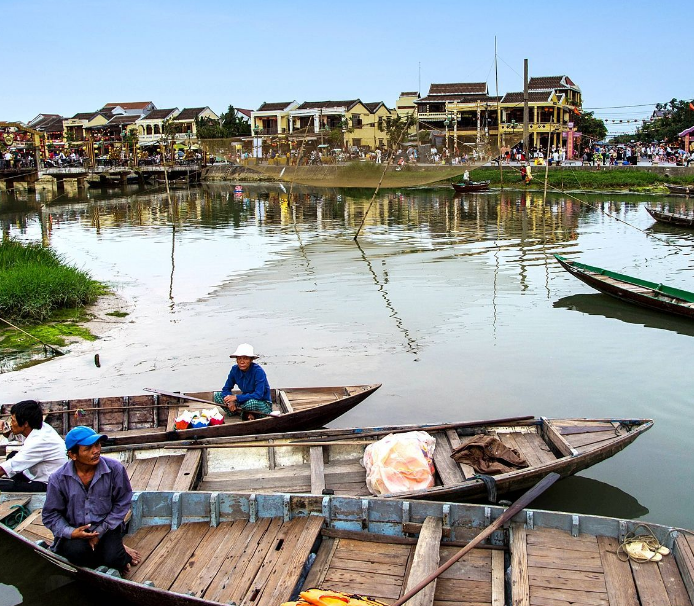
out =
column 572, row 178
column 35, row 283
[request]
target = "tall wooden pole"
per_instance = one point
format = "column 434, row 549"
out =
column 526, row 111
column 498, row 116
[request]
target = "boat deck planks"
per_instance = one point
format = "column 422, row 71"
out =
column 425, row 561
column 448, row 470
column 169, row 472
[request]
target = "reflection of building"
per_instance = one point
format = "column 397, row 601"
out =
column 467, row 110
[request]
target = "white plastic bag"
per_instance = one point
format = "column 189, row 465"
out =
column 400, row 462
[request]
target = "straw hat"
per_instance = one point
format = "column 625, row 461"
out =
column 244, row 350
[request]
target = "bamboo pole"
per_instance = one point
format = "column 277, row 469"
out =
column 57, row 351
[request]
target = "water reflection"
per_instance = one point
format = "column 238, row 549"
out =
column 577, row 494
column 599, row 304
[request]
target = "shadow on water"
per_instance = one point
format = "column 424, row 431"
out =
column 598, row 304
column 587, row 496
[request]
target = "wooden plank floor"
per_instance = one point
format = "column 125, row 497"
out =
column 560, row 570
column 255, row 564
column 171, row 472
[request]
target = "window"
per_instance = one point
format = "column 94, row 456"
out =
column 356, row 121
column 380, row 123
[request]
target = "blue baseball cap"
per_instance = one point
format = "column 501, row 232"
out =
column 82, row 436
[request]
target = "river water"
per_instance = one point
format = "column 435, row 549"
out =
column 454, row 303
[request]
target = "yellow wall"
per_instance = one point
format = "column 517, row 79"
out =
column 368, row 135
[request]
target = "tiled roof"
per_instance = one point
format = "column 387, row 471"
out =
column 373, row 106
column 455, row 97
column 551, row 82
column 86, row 115
column 123, row 119
column 274, row 107
column 540, row 96
column 245, row 112
column 459, row 88
column 49, row 123
column 325, row 104
column 159, row 114
column 128, row 105
column 189, row 113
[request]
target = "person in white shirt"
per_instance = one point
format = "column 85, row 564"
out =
column 42, row 452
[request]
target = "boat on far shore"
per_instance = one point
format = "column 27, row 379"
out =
column 633, row 290
column 668, row 218
column 680, row 190
column 469, row 186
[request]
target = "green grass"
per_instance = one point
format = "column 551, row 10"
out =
column 53, row 333
column 35, row 283
column 570, row 178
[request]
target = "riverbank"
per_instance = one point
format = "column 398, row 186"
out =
column 642, row 179
column 45, row 303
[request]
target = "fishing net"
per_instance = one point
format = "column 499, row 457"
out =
column 303, row 165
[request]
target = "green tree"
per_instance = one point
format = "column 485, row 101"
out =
column 233, row 125
column 677, row 116
column 207, row 128
column 590, row 127
column 397, row 129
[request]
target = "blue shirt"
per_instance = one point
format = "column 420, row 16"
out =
column 70, row 504
column 252, row 383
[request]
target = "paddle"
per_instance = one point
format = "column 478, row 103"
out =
column 519, row 505
column 194, row 399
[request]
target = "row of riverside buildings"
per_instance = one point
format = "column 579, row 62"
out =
column 448, row 113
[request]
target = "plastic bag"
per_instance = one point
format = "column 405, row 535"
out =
column 400, row 462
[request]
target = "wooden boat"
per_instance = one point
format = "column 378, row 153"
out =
column 150, row 417
column 633, row 290
column 329, row 460
column 261, row 550
column 671, row 218
column 680, row 190
column 470, row 186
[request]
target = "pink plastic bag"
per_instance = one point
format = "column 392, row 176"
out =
column 400, row 462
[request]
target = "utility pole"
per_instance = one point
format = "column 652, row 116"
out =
column 526, row 112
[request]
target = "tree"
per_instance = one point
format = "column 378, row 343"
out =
column 590, row 127
column 676, row 117
column 397, row 129
column 233, row 125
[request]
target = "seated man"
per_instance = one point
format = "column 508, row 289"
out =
column 251, row 380
column 86, row 504
column 42, row 451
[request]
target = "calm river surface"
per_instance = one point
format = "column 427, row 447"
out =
column 455, row 304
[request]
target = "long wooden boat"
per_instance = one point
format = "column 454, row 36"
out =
column 470, row 186
column 150, row 417
column 671, row 218
column 262, row 550
column 633, row 290
column 330, row 460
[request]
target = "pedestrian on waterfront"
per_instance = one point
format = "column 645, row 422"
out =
column 251, row 379
column 86, row 504
column 42, row 450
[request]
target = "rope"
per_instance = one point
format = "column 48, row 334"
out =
column 641, row 547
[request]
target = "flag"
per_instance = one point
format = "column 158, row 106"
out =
column 578, row 112
column 691, row 106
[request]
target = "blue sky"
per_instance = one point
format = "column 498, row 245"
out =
column 73, row 56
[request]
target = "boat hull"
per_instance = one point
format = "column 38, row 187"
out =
column 463, row 188
column 632, row 290
column 671, row 218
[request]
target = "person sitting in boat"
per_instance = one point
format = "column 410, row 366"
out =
column 466, row 175
column 251, row 379
column 86, row 504
column 42, row 451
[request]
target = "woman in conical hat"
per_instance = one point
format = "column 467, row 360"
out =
column 251, row 379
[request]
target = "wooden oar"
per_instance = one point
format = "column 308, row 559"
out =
column 519, row 505
column 108, row 409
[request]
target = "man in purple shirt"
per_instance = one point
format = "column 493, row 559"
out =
column 86, row 503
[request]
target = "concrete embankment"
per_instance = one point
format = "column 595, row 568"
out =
column 233, row 172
